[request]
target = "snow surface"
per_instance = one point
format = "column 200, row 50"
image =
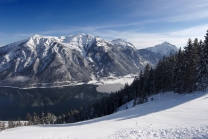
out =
column 169, row 115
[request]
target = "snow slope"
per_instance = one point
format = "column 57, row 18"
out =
column 168, row 116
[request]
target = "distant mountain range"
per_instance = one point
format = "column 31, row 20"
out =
column 49, row 61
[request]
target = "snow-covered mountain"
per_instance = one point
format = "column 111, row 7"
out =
column 168, row 116
column 44, row 60
column 154, row 54
column 164, row 49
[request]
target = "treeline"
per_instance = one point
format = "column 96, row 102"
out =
column 183, row 72
column 12, row 124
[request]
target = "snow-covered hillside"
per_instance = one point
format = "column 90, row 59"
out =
column 168, row 116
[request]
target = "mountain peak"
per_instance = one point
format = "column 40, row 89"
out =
column 165, row 42
column 164, row 48
column 123, row 44
column 119, row 39
column 35, row 35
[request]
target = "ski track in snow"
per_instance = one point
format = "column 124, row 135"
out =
column 169, row 116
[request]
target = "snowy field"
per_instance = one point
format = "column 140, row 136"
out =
column 169, row 116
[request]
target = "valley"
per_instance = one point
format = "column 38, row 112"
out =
column 59, row 74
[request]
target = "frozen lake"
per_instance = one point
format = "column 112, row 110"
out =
column 108, row 88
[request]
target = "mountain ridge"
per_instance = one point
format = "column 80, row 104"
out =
column 46, row 61
column 59, row 60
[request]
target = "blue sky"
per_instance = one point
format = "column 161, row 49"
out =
column 142, row 22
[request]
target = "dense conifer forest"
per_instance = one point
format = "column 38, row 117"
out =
column 184, row 72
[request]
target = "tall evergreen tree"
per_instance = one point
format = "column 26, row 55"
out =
column 202, row 66
column 189, row 78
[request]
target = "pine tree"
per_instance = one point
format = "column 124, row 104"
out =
column 19, row 123
column 145, row 90
column 196, row 59
column 11, row 124
column 2, row 126
column 42, row 119
column 36, row 119
column 189, row 78
column 29, row 119
column 63, row 121
column 48, row 118
column 202, row 65
column 178, row 72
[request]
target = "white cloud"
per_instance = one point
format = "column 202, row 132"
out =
column 139, row 39
column 142, row 40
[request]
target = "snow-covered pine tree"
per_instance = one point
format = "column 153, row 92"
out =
column 48, row 118
column 11, row 124
column 29, row 119
column 19, row 122
column 42, row 119
column 2, row 125
column 36, row 119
